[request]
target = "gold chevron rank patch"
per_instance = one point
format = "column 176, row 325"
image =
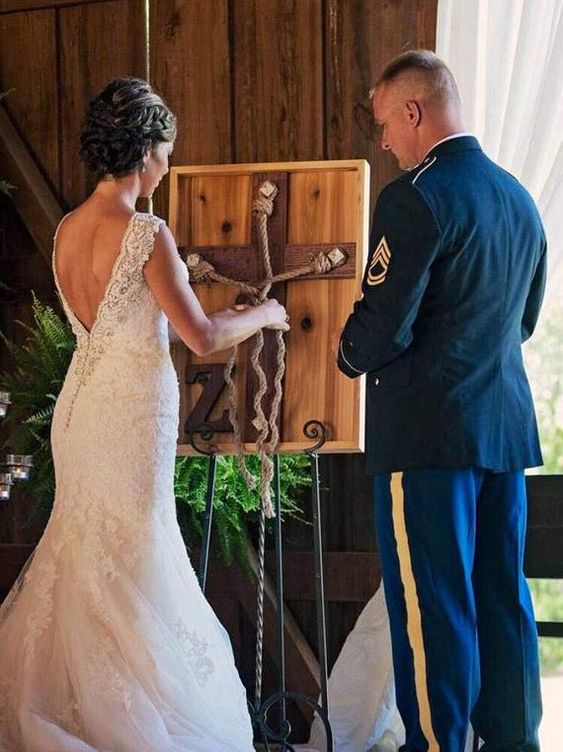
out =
column 379, row 263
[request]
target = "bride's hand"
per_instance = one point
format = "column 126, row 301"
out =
column 276, row 315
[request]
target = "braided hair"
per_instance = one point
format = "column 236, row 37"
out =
column 121, row 123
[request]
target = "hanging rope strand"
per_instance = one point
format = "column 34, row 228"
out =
column 267, row 428
column 260, row 610
column 263, row 208
column 249, row 479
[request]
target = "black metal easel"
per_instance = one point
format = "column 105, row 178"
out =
column 315, row 431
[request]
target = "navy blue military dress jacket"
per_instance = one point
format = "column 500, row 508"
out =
column 452, row 288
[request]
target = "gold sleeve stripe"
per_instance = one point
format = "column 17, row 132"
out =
column 379, row 263
column 414, row 620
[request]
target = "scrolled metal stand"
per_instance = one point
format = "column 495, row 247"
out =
column 315, row 431
column 206, row 432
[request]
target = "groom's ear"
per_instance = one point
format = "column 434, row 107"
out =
column 414, row 113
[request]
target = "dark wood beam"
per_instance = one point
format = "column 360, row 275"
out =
column 349, row 576
column 19, row 6
column 33, row 198
column 544, row 539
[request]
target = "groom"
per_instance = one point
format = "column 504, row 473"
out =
column 452, row 288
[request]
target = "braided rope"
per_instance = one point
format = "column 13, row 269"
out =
column 201, row 271
column 260, row 610
column 262, row 208
column 249, row 479
column 320, row 262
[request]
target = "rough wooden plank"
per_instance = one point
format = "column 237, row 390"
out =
column 223, row 603
column 18, row 6
column 361, row 37
column 191, row 69
column 550, row 628
column 349, row 576
column 236, row 262
column 426, row 19
column 28, row 65
column 97, row 45
column 296, row 256
column 277, row 53
column 321, row 210
column 244, row 167
column 221, row 210
column 544, row 538
column 34, row 200
column 545, row 500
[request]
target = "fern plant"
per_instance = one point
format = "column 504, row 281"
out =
column 39, row 368
column 234, row 505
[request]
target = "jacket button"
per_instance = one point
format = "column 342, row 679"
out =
column 376, row 381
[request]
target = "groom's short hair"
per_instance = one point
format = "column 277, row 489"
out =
column 424, row 70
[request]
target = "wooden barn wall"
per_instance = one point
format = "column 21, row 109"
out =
column 250, row 80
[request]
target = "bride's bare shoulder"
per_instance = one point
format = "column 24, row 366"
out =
column 87, row 227
column 87, row 218
column 89, row 239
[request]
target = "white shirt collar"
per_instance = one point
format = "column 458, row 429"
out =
column 447, row 138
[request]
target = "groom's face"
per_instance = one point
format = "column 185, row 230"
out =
column 392, row 115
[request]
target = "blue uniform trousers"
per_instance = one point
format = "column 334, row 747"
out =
column 462, row 625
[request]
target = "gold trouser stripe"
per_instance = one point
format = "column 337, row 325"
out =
column 414, row 620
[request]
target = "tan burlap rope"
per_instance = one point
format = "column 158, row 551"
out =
column 202, row 271
column 320, row 263
column 262, row 209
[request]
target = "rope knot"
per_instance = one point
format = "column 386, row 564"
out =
column 322, row 263
column 199, row 269
column 264, row 202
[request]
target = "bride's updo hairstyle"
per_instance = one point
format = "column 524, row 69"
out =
column 121, row 123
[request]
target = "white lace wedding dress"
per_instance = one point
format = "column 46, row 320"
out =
column 106, row 641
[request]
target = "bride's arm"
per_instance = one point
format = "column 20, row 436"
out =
column 173, row 334
column 202, row 333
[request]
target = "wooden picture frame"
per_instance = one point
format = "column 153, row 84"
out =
column 320, row 205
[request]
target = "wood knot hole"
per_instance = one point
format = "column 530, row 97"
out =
column 306, row 324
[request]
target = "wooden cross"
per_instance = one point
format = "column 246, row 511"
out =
column 245, row 263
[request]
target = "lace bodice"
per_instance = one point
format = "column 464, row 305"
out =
column 125, row 288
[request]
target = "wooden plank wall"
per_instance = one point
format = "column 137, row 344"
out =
column 250, row 80
column 54, row 57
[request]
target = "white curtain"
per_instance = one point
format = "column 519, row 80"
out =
column 507, row 57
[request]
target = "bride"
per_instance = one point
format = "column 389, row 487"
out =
column 106, row 641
